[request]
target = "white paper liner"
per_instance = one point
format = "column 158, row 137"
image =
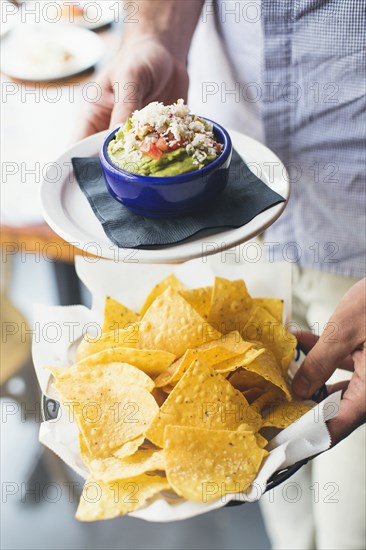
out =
column 57, row 329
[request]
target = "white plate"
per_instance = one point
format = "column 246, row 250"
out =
column 42, row 52
column 69, row 214
column 9, row 15
column 96, row 14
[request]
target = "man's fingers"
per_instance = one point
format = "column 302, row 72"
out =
column 347, row 364
column 310, row 376
column 350, row 416
column 352, row 412
column 316, row 369
column 341, row 345
column 95, row 117
column 94, row 120
column 121, row 112
column 330, row 352
column 118, row 101
column 306, row 339
column 127, row 99
column 339, row 386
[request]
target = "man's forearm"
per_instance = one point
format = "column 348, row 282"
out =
column 172, row 22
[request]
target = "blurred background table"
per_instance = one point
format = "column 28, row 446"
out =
column 38, row 123
column 39, row 120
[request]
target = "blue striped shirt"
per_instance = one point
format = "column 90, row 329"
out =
column 313, row 111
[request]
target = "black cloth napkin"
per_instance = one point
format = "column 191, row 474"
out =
column 244, row 198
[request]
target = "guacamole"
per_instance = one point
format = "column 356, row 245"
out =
column 164, row 141
column 169, row 164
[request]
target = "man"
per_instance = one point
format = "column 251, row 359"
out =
column 307, row 59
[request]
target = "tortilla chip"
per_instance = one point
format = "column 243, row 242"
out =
column 107, row 501
column 232, row 341
column 117, row 316
column 108, row 416
column 151, row 362
column 274, row 336
column 171, row 324
column 113, row 469
column 252, row 394
column 285, row 414
column 273, row 305
column 211, row 353
column 245, row 380
column 230, row 300
column 86, row 457
column 175, row 371
column 159, row 395
column 203, row 398
column 119, row 375
column 199, row 299
column 126, row 450
column 261, row 441
column 211, row 463
column 241, row 360
column 269, row 398
column 168, row 389
column 265, row 366
column 169, row 282
column 129, row 448
column 125, row 337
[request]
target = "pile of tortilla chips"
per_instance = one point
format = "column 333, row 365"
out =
column 173, row 398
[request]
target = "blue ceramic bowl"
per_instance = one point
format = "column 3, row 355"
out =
column 170, row 196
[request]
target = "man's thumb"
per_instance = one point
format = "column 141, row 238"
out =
column 127, row 99
column 314, row 372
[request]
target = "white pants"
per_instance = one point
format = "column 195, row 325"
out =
column 323, row 505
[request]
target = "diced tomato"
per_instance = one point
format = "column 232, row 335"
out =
column 175, row 145
column 154, row 151
column 162, row 145
column 144, row 147
column 150, row 149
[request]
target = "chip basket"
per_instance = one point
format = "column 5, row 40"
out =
column 50, row 407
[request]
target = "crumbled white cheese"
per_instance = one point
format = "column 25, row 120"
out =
column 196, row 126
column 175, row 124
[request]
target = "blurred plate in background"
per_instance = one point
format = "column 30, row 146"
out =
column 9, row 15
column 91, row 15
column 41, row 52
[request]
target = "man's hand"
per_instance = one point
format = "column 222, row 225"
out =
column 150, row 66
column 142, row 72
column 342, row 345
